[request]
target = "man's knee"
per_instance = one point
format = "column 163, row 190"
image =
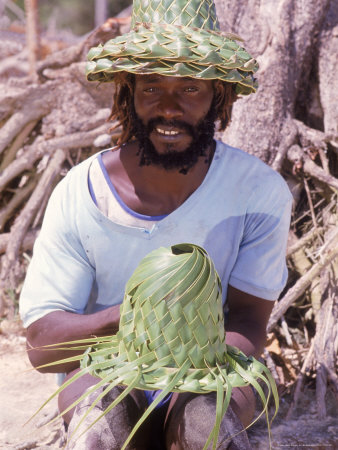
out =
column 243, row 403
column 73, row 392
column 110, row 430
column 191, row 420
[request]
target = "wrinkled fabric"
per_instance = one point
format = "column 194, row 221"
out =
column 82, row 260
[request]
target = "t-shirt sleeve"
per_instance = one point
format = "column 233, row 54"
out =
column 59, row 276
column 260, row 268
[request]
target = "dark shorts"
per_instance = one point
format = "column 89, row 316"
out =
column 151, row 396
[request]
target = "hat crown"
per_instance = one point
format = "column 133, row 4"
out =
column 191, row 13
column 173, row 309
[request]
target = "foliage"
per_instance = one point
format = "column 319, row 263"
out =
column 178, row 294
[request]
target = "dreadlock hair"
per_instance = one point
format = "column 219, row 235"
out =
column 123, row 98
column 224, row 97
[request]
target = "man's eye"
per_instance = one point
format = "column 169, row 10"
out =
column 191, row 89
column 149, row 90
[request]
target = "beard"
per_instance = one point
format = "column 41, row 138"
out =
column 201, row 134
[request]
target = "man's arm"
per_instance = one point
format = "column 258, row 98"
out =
column 248, row 318
column 63, row 326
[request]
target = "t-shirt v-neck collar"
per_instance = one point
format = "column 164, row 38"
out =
column 161, row 221
column 119, row 199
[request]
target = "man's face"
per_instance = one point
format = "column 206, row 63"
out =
column 174, row 119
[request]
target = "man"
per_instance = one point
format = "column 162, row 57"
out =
column 167, row 182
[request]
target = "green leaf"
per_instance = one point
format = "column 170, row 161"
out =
column 171, row 337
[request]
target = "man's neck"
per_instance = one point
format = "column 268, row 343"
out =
column 151, row 189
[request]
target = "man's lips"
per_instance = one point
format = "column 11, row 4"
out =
column 170, row 132
column 167, row 131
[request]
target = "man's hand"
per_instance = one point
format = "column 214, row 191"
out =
column 248, row 318
column 63, row 326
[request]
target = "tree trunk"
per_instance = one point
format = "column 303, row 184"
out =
column 101, row 12
column 283, row 36
column 32, row 35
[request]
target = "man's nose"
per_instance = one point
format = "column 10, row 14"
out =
column 169, row 107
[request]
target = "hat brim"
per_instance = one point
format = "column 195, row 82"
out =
column 171, row 50
column 105, row 361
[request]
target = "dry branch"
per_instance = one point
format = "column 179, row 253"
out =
column 15, row 9
column 327, row 255
column 312, row 169
column 27, row 243
column 110, row 29
column 17, row 199
column 17, row 144
column 24, row 219
column 46, row 147
column 334, row 380
column 21, row 118
column 32, row 33
column 17, row 62
column 309, row 199
column 296, row 155
column 288, row 138
column 324, row 352
column 300, row 379
column 310, row 137
column 300, row 243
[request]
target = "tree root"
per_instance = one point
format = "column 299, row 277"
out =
column 328, row 253
column 27, row 243
column 19, row 120
column 46, row 147
column 18, row 142
column 324, row 351
column 300, row 379
column 300, row 243
column 24, row 219
column 17, row 199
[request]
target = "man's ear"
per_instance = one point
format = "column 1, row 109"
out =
column 224, row 97
column 218, row 87
column 219, row 93
column 219, row 96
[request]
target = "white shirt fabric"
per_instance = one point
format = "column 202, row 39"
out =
column 109, row 202
column 82, row 259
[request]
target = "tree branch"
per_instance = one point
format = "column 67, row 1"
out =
column 20, row 196
column 296, row 156
column 27, row 243
column 303, row 240
column 32, row 35
column 45, row 147
column 29, row 113
column 317, row 172
column 329, row 253
column 24, row 219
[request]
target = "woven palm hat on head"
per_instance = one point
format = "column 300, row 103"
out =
column 175, row 38
column 171, row 335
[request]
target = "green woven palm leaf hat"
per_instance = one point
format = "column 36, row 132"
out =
column 172, row 338
column 175, row 38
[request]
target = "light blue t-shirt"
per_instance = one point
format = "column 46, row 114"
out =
column 82, row 260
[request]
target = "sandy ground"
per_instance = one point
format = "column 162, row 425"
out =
column 22, row 392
